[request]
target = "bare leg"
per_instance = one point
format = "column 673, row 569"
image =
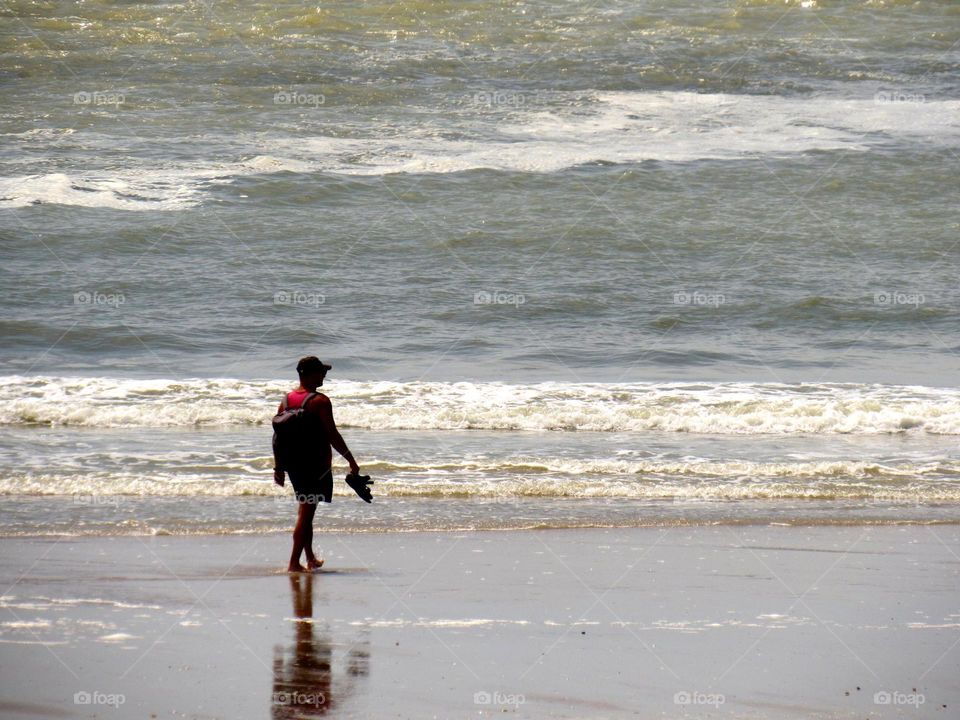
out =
column 312, row 562
column 304, row 521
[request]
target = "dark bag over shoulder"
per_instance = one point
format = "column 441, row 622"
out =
column 294, row 436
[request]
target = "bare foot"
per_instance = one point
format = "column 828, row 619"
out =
column 296, row 568
column 315, row 563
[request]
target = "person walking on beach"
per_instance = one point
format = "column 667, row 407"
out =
column 310, row 468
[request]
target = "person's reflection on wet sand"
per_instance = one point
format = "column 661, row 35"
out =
column 303, row 671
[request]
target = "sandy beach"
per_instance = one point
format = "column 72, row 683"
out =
column 726, row 621
column 641, row 316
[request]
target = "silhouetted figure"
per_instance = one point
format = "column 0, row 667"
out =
column 311, row 474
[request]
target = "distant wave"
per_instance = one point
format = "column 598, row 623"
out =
column 145, row 190
column 627, row 128
column 613, row 128
column 712, row 408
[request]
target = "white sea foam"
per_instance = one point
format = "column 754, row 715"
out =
column 96, row 477
column 687, row 483
column 444, row 623
column 632, row 127
column 130, row 191
column 715, row 408
column 96, row 601
column 27, row 624
column 117, row 637
column 613, row 127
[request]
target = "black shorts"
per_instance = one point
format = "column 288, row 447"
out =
column 312, row 486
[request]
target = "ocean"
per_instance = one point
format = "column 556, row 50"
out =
column 575, row 265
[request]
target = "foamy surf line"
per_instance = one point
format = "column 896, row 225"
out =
column 508, row 478
column 620, row 128
column 636, row 127
column 184, row 468
column 109, row 489
column 708, row 408
column 147, row 190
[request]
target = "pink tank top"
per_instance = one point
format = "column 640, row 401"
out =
column 296, row 397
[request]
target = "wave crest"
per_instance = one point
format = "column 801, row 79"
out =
column 714, row 408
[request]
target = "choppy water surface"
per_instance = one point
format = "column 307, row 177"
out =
column 640, row 262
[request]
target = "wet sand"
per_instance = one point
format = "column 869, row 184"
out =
column 725, row 621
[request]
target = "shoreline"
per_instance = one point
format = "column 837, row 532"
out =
column 656, row 622
column 320, row 531
column 137, row 516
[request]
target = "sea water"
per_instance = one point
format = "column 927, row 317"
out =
column 574, row 265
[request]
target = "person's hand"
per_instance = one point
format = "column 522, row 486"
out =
column 278, row 476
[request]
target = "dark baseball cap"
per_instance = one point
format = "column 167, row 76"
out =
column 311, row 364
